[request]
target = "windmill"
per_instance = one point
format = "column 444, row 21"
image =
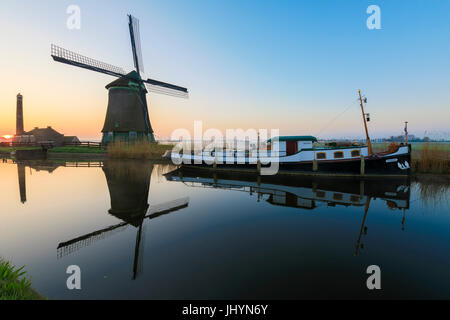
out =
column 127, row 116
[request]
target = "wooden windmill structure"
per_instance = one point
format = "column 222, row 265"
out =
column 127, row 116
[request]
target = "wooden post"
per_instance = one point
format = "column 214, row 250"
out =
column 257, row 147
column 258, row 167
column 363, row 165
column 406, row 132
column 369, row 144
column 315, row 165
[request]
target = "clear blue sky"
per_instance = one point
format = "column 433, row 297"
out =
column 292, row 65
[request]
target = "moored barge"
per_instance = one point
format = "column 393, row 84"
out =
column 304, row 154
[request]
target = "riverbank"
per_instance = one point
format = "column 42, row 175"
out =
column 15, row 285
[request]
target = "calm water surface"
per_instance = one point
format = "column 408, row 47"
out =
column 144, row 231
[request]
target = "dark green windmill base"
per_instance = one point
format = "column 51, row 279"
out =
column 130, row 136
column 127, row 117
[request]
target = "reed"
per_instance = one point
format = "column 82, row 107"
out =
column 433, row 194
column 137, row 150
column 431, row 158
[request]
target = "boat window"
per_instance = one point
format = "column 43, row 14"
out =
column 321, row 155
column 355, row 153
column 355, row 198
column 338, row 154
column 338, row 196
column 320, row 194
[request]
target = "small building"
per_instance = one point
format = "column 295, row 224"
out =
column 71, row 140
column 45, row 135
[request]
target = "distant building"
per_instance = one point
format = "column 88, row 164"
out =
column 45, row 135
column 19, row 115
column 71, row 139
column 38, row 135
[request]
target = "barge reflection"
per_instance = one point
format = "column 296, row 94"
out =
column 307, row 192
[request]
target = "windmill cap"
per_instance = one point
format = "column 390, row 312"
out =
column 124, row 81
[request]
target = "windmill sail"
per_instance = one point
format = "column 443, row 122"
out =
column 122, row 101
column 166, row 88
column 136, row 44
column 69, row 247
column 72, row 58
column 69, row 57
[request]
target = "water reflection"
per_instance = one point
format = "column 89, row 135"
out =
column 306, row 192
column 22, row 183
column 129, row 186
column 238, row 237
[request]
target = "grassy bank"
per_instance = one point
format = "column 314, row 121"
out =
column 69, row 149
column 14, row 284
column 11, row 149
column 76, row 149
column 137, row 150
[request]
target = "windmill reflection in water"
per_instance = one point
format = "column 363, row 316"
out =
column 306, row 192
column 129, row 187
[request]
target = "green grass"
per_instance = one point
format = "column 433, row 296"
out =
column 70, row 149
column 14, row 284
column 75, row 149
column 444, row 146
column 416, row 146
column 11, row 149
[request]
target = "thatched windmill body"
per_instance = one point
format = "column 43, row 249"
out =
column 127, row 116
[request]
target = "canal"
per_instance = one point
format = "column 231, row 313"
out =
column 142, row 230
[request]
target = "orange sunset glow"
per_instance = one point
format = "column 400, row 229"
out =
column 291, row 85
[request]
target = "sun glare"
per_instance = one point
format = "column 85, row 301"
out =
column 7, row 136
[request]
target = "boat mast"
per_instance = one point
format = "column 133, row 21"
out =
column 369, row 144
column 366, row 209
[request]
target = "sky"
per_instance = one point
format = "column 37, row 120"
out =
column 295, row 66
